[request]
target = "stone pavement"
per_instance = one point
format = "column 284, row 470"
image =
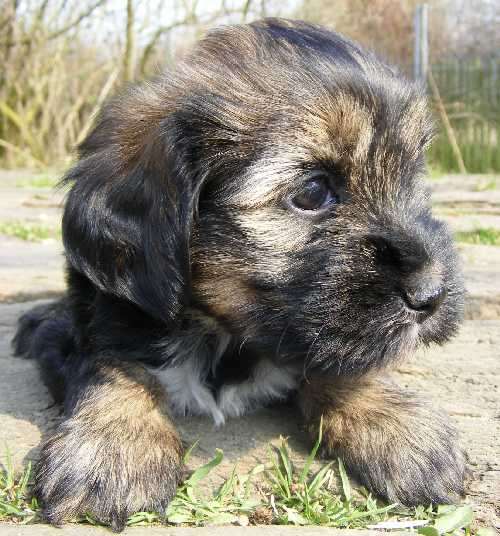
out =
column 462, row 377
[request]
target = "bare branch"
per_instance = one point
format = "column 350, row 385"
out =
column 162, row 30
column 129, row 53
column 61, row 31
column 106, row 88
column 246, row 8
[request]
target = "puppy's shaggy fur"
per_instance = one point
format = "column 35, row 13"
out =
column 251, row 225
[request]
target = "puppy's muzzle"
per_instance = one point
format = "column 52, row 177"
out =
column 421, row 276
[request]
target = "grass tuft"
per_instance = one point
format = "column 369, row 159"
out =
column 284, row 495
column 483, row 236
column 30, row 232
column 231, row 503
column 38, row 181
column 302, row 498
column 15, row 504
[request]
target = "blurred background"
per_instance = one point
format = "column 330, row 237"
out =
column 61, row 58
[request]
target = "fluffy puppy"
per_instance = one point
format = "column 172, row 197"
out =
column 250, row 226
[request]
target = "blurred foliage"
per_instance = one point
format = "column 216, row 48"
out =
column 62, row 58
column 485, row 237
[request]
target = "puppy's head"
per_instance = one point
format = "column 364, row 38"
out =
column 274, row 181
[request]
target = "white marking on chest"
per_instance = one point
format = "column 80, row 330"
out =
column 189, row 394
column 268, row 383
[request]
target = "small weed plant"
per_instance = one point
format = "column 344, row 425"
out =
column 284, row 495
column 482, row 236
column 302, row 498
column 15, row 504
column 30, row 232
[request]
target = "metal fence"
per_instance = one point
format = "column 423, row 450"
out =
column 466, row 93
column 470, row 92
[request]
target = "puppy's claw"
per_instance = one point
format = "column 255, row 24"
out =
column 118, row 520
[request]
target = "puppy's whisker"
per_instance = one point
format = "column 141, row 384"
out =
column 308, row 361
column 282, row 336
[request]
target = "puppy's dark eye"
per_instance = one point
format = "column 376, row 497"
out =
column 315, row 195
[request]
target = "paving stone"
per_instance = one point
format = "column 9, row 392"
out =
column 33, row 205
column 30, row 270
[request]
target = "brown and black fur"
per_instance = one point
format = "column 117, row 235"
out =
column 116, row 453
column 184, row 245
column 365, row 417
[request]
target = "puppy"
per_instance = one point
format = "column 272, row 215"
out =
column 251, row 226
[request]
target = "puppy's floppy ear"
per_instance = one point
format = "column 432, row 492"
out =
column 127, row 218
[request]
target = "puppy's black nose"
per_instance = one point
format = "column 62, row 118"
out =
column 425, row 300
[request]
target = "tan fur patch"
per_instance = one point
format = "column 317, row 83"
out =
column 339, row 129
column 226, row 295
column 395, row 444
column 116, row 454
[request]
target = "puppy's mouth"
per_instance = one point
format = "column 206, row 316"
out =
column 436, row 318
column 379, row 336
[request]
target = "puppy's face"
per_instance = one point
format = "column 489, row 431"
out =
column 314, row 238
column 273, row 181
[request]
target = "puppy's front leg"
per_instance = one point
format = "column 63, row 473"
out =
column 395, row 444
column 116, row 453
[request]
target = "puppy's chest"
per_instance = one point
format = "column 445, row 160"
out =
column 224, row 384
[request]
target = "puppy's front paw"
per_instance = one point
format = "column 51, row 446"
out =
column 107, row 474
column 405, row 453
column 395, row 445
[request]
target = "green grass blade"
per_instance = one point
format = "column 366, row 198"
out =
column 227, row 487
column 459, row 518
column 204, row 470
column 278, row 477
column 189, row 451
column 319, row 480
column 346, row 486
column 286, row 461
column 246, row 480
column 9, row 469
column 428, row 531
column 23, row 484
column 312, row 455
